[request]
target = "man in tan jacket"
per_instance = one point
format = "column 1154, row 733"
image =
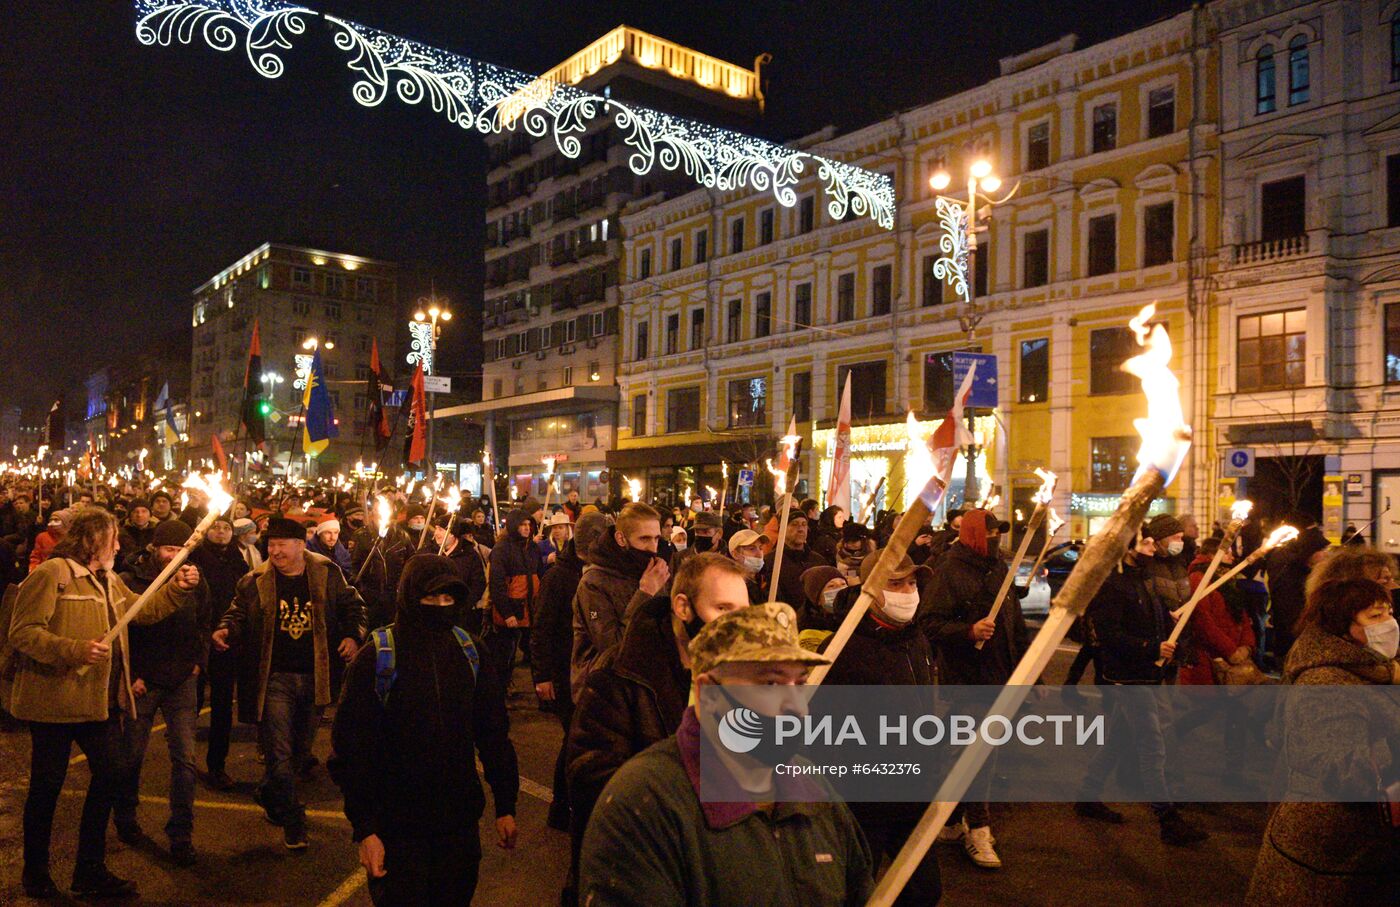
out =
column 66, row 683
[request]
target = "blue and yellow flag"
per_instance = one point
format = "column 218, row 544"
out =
column 320, row 424
column 162, row 404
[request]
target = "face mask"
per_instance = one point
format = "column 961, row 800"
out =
column 694, row 626
column 679, row 546
column 1384, row 638
column 703, row 543
column 417, row 526
column 638, row 558
column 696, row 508
column 829, row 600
column 1175, row 548
column 431, row 615
column 901, row 605
column 753, row 564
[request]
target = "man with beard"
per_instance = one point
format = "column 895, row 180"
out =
column 797, row 558
column 419, row 705
column 167, row 661
column 623, row 572
column 326, row 542
column 955, row 610
column 221, row 563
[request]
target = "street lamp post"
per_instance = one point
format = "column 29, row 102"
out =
column 432, row 309
column 959, row 266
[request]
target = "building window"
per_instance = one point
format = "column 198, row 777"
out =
column 333, row 310
column 1395, row 48
column 802, row 305
column 1038, row 146
column 365, row 288
column 802, row 396
column 1264, row 84
column 335, row 284
column 676, row 254
column 846, row 298
column 1105, row 134
column 1298, row 77
column 301, row 278
column 568, row 376
column 1035, row 259
column 765, row 226
column 736, row 236
column 645, row 267
column 1109, row 348
column 1161, row 112
column 867, row 387
column 497, row 387
column 1271, row 350
column 639, row 414
column 932, row 292
column 748, row 402
column 1392, row 190
column 702, row 247
column 1035, row 370
column 301, row 307
column 1282, row 209
column 982, row 264
column 763, row 315
column 697, row 328
column 519, row 385
column 1392, row 344
column 643, row 341
column 881, row 289
column 683, row 409
column 673, row 333
column 734, row 321
column 1113, row 463
column 806, row 214
column 1103, row 244
column 1157, row 234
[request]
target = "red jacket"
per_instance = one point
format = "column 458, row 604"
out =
column 1216, row 632
column 43, row 544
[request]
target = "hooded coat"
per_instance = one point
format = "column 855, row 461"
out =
column 1217, row 628
column 515, row 572
column 826, row 536
column 964, row 586
column 164, row 654
column 221, row 566
column 1324, row 853
column 1129, row 625
column 1288, row 571
column 552, row 634
column 796, row 561
column 437, row 718
column 609, row 592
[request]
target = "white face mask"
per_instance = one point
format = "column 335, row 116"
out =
column 829, row 599
column 1175, row 548
column 901, row 605
column 679, row 546
column 753, row 564
column 1384, row 638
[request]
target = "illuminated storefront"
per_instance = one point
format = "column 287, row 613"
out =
column 1088, row 512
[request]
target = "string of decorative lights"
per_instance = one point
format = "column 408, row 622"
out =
column 492, row 99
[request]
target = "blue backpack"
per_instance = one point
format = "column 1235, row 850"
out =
column 386, row 664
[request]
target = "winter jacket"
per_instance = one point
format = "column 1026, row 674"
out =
column 1167, row 579
column 58, row 610
column 1129, row 626
column 551, row 632
column 795, row 562
column 379, row 582
column 472, row 569
column 337, row 613
column 607, row 596
column 825, row 536
column 1325, row 853
column 652, row 841
column 515, row 573
column 942, row 540
column 634, row 696
column 338, row 554
column 43, row 544
column 221, row 566
column 134, row 539
column 1215, row 628
column 962, row 592
column 1288, row 576
column 165, row 653
column 407, row 766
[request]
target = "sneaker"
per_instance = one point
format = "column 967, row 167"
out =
column 38, row 885
column 952, row 833
column 1177, row 832
column 267, row 811
column 182, row 852
column 219, row 780
column 1093, row 809
column 294, row 836
column 978, row 843
column 129, row 831
column 95, row 881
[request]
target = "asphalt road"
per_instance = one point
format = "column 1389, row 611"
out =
column 1050, row 856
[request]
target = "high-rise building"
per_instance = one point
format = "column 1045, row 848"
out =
column 294, row 293
column 552, row 257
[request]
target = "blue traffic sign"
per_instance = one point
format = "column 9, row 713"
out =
column 746, row 478
column 984, row 382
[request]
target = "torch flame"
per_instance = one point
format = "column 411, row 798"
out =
column 384, row 513
column 1053, row 521
column 1020, row 517
column 714, row 495
column 918, row 462
column 549, row 467
column 779, row 478
column 991, row 503
column 1280, row 536
column 213, row 487
column 1165, row 435
column 427, row 492
column 453, row 499
column 1240, row 509
column 1046, row 491
column 634, row 487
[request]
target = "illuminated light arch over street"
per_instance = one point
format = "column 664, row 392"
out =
column 492, row 99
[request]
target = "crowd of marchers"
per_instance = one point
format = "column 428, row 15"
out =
column 293, row 606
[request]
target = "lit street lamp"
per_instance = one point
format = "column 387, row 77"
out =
column 425, row 329
column 958, row 265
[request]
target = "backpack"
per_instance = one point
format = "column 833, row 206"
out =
column 386, row 662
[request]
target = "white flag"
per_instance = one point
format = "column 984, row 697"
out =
column 838, row 486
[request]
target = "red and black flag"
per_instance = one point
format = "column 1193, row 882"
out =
column 379, row 384
column 415, row 444
column 254, row 415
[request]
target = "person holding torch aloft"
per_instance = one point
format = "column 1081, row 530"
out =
column 60, row 617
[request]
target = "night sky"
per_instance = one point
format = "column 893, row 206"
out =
column 129, row 175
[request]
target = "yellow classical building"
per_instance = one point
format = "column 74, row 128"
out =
column 739, row 313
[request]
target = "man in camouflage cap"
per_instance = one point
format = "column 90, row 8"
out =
column 651, row 828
